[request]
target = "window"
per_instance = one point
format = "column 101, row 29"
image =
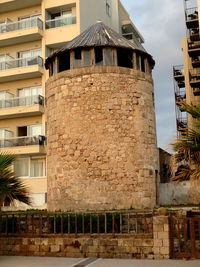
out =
column 5, row 99
column 28, row 21
column 32, row 130
column 108, row 7
column 37, row 168
column 77, row 57
column 30, row 167
column 125, row 58
column 38, row 199
column 5, row 138
column 5, row 134
column 30, row 53
column 87, row 57
column 142, row 64
column 64, row 62
column 21, row 167
column 98, row 56
column 29, row 96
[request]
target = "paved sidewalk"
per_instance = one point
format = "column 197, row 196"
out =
column 10, row 261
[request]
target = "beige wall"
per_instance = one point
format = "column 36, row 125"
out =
column 14, row 86
column 12, row 50
column 12, row 124
column 14, row 15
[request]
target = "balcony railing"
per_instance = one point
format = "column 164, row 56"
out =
column 21, row 62
column 128, row 36
column 194, row 45
column 196, row 91
column 178, row 70
column 191, row 14
column 195, row 77
column 21, row 25
column 182, row 124
column 195, row 61
column 60, row 22
column 194, row 34
column 22, row 141
column 22, row 101
column 180, row 97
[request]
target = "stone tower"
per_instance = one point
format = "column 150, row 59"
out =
column 101, row 152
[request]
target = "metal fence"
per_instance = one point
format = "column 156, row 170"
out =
column 60, row 22
column 21, row 25
column 22, row 101
column 21, row 62
column 44, row 223
column 22, row 141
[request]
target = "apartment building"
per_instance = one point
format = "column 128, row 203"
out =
column 187, row 76
column 29, row 32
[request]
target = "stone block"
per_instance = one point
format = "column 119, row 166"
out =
column 164, row 251
column 163, row 235
column 44, row 248
column 54, row 248
column 158, row 243
column 33, row 248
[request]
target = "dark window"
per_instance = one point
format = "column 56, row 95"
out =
column 77, row 54
column 64, row 62
column 98, row 56
column 142, row 64
column 137, row 62
column 125, row 58
column 22, row 131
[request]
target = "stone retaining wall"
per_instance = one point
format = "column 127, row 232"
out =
column 97, row 246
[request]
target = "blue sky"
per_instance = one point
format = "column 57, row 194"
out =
column 162, row 24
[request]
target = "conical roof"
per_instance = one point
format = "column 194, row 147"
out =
column 100, row 35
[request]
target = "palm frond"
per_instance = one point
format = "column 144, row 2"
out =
column 188, row 147
column 11, row 187
column 191, row 109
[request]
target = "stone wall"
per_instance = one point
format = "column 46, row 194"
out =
column 183, row 193
column 78, row 247
column 93, row 246
column 101, row 152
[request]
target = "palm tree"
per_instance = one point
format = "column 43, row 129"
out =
column 11, row 187
column 188, row 148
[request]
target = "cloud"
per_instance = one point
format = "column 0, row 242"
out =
column 162, row 24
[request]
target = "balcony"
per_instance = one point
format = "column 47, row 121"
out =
column 23, row 31
column 195, row 77
column 128, row 36
column 195, row 61
column 196, row 91
column 180, row 98
column 12, row 5
column 182, row 125
column 61, row 30
column 23, row 145
column 21, row 107
column 192, row 18
column 60, row 22
column 194, row 34
column 194, row 48
column 21, row 68
column 179, row 76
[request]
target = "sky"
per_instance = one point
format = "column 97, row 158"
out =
column 162, row 24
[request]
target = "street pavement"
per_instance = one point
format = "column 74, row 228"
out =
column 11, row 261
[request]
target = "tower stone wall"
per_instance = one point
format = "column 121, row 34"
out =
column 101, row 152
